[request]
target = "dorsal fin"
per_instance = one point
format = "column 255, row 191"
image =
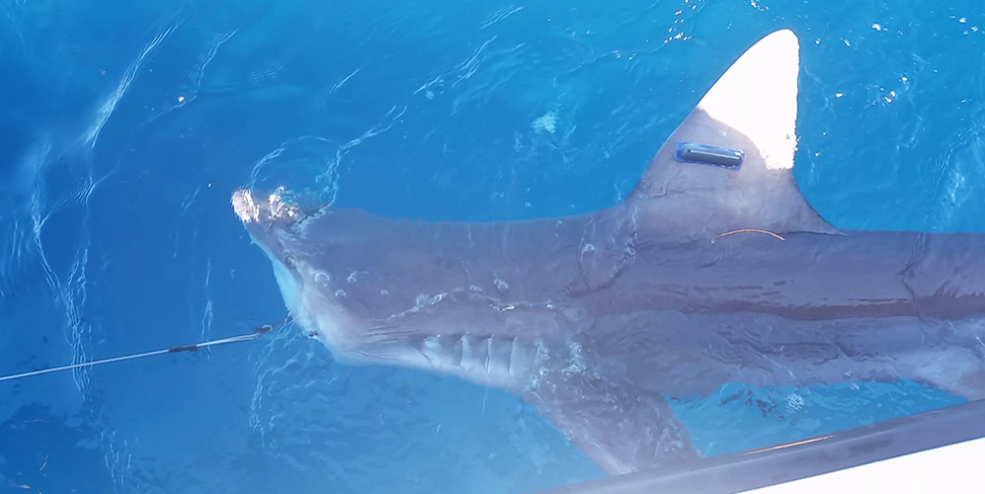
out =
column 751, row 108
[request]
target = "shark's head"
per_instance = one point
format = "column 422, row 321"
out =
column 374, row 290
column 278, row 226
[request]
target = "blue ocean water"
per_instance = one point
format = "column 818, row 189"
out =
column 125, row 126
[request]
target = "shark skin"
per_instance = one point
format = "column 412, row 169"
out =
column 702, row 276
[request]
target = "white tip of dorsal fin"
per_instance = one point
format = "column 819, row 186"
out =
column 752, row 108
column 758, row 97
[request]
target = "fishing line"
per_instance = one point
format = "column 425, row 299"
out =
column 258, row 332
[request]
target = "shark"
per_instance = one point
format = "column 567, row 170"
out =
column 714, row 269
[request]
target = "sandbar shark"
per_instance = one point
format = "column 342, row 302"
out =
column 713, row 270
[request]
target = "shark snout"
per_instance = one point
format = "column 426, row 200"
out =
column 268, row 221
column 254, row 208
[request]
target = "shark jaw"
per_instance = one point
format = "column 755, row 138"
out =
column 487, row 359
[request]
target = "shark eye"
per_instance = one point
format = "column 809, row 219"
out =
column 290, row 261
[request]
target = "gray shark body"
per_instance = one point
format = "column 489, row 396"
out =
column 702, row 276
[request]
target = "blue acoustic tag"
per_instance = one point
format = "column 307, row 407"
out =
column 703, row 154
